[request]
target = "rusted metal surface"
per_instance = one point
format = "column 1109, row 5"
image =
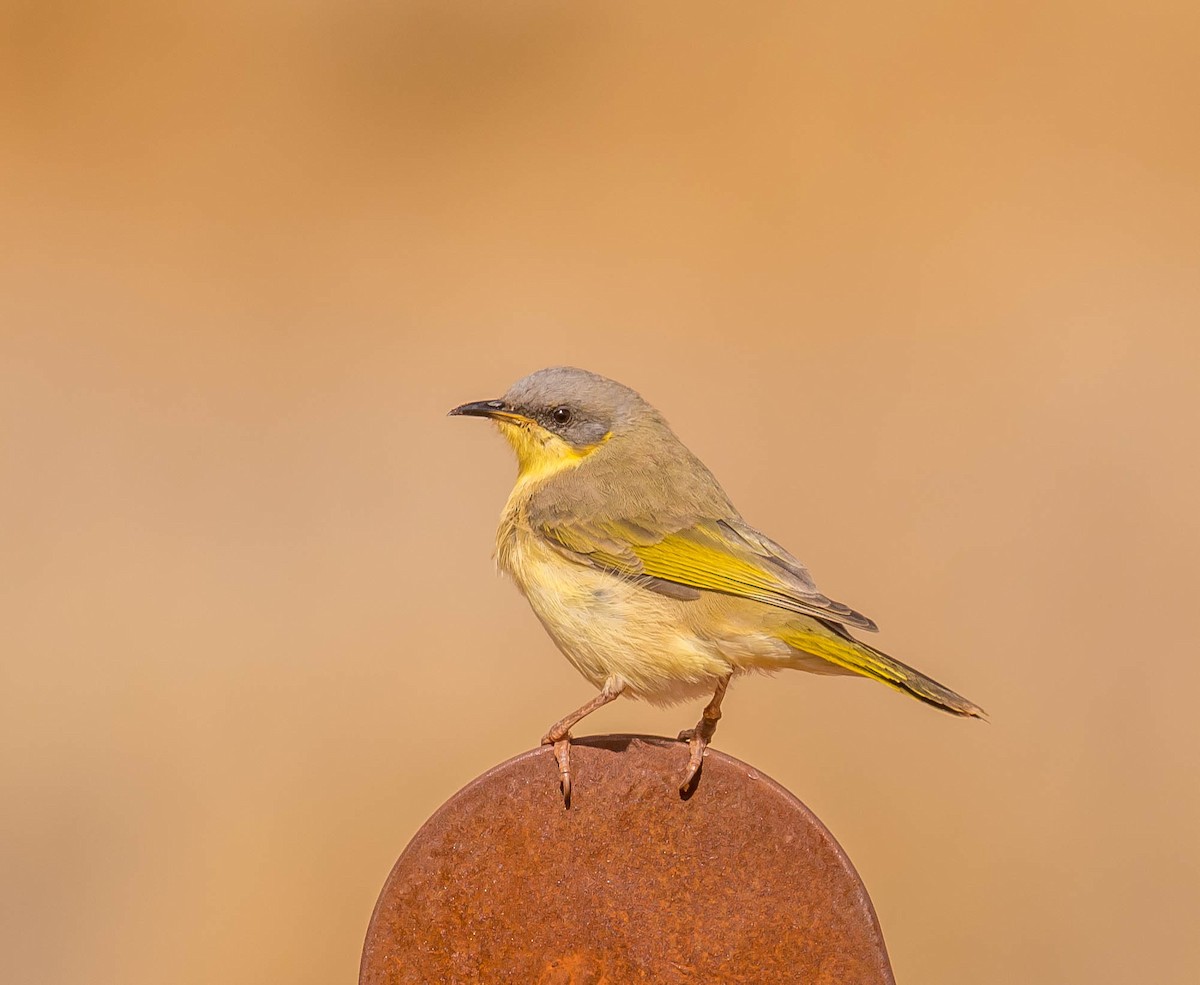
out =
column 632, row 884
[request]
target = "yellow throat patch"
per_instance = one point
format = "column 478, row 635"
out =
column 540, row 453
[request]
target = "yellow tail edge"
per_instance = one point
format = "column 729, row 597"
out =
column 859, row 658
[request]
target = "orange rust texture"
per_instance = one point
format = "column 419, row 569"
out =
column 632, row 884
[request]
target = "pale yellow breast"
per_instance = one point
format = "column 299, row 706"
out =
column 607, row 626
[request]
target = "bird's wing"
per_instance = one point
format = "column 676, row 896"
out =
column 724, row 556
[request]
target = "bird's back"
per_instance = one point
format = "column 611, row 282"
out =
column 643, row 474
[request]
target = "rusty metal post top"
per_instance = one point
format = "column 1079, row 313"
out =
column 631, row 884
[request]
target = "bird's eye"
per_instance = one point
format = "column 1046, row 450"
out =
column 561, row 415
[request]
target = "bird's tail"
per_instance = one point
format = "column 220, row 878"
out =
column 832, row 643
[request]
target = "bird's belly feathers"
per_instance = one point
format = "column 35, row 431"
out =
column 610, row 626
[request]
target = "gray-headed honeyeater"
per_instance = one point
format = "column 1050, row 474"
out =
column 643, row 572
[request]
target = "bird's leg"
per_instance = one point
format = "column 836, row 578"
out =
column 559, row 735
column 698, row 738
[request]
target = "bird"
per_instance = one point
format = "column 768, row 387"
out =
column 643, row 572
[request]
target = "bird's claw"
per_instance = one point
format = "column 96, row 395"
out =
column 697, row 744
column 562, row 755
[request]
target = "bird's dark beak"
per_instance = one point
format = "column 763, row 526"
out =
column 486, row 408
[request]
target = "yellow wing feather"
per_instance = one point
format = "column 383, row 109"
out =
column 713, row 556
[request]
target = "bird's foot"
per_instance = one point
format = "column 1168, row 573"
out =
column 562, row 755
column 697, row 739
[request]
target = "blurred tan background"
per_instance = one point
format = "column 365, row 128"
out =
column 918, row 281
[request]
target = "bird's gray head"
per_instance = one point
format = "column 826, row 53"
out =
column 579, row 407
